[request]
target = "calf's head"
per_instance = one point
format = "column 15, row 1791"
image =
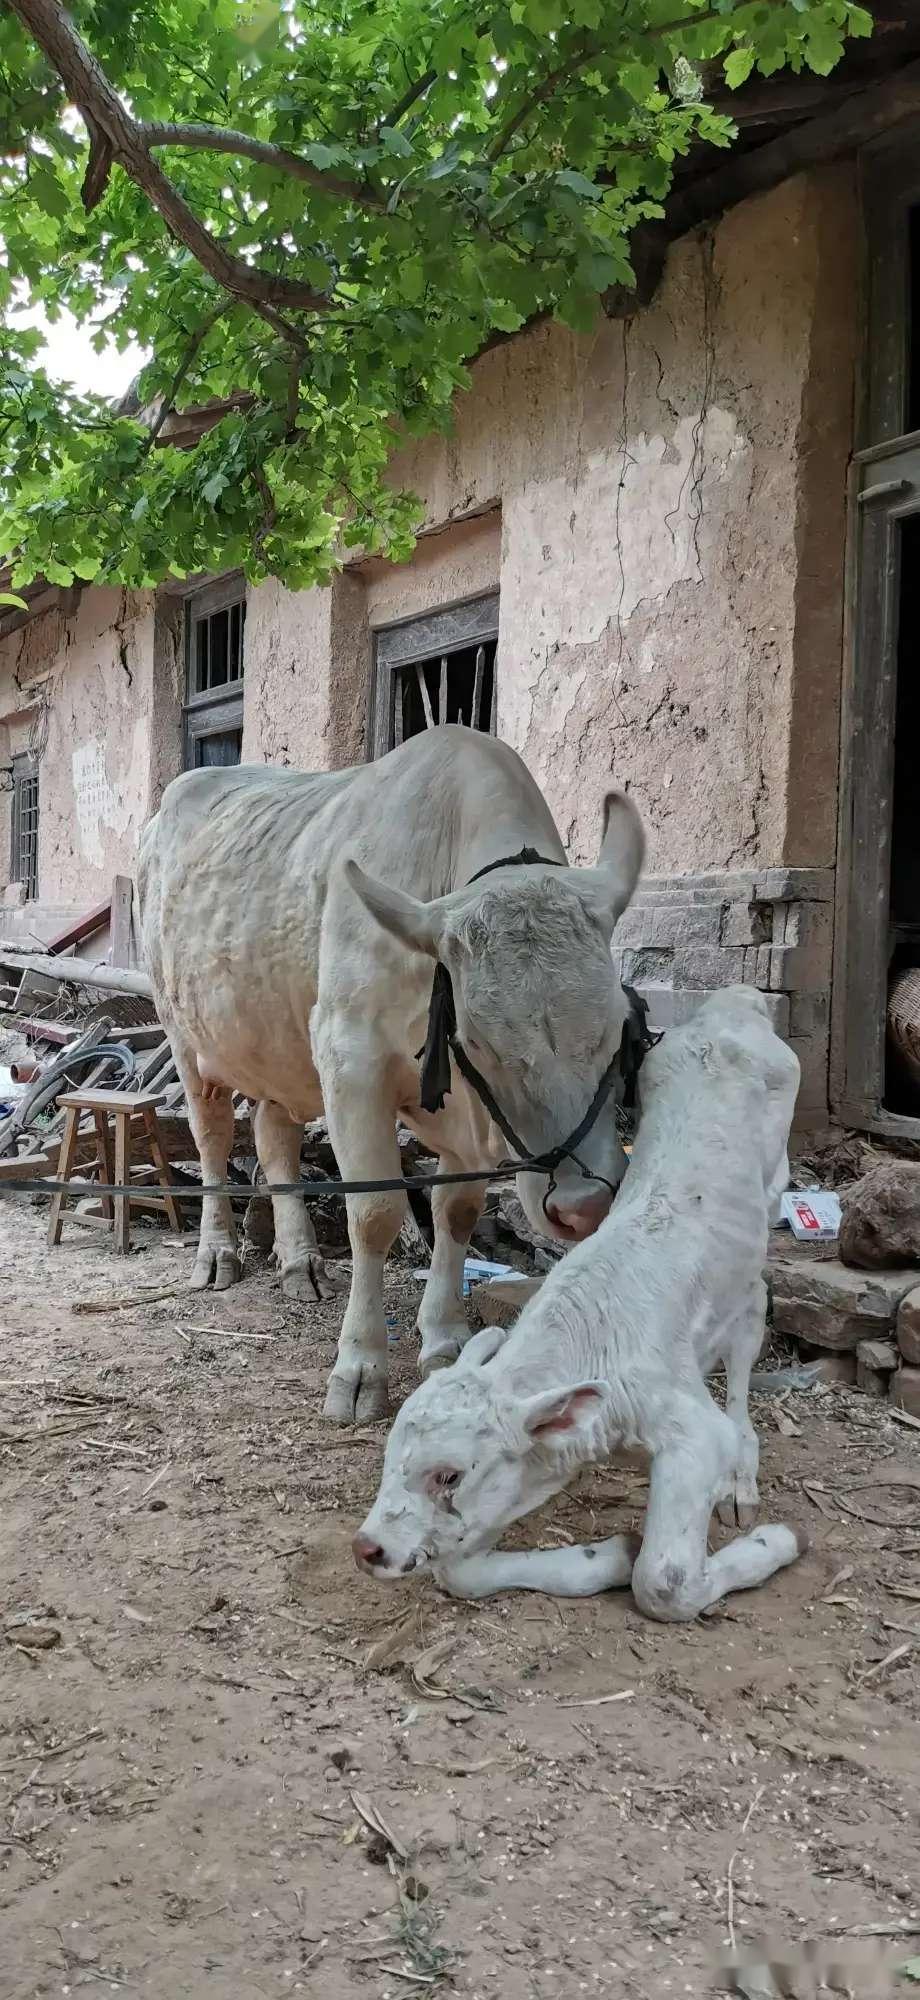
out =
column 540, row 1011
column 465, row 1458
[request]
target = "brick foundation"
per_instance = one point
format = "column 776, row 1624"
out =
column 684, row 936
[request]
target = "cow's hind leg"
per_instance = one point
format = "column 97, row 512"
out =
column 303, row 1272
column 211, row 1119
column 442, row 1322
column 675, row 1577
column 362, row 1128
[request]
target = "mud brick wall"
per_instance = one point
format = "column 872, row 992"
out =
column 684, row 936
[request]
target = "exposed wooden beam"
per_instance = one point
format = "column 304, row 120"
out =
column 865, row 115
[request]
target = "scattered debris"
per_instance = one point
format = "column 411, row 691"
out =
column 374, row 1820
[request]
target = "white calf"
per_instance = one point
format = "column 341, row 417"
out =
column 614, row 1351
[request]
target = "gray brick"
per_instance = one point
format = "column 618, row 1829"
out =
column 809, row 1014
column 675, row 925
column 800, row 968
column 700, row 965
column 746, row 923
column 788, row 885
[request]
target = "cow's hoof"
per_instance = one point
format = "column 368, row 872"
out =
column 310, row 1281
column 443, row 1357
column 222, row 1265
column 360, row 1402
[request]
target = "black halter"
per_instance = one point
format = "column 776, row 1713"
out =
column 441, row 1043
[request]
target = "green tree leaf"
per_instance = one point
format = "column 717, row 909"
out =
column 415, row 177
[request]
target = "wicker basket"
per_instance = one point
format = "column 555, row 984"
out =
column 904, row 1021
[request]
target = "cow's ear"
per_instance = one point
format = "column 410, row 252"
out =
column 417, row 925
column 608, row 886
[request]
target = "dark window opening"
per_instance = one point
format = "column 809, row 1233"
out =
column 457, row 687
column 24, row 842
column 217, row 652
column 436, row 669
column 902, row 1076
column 223, row 746
column 214, row 666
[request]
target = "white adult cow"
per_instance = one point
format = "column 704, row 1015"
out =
column 284, row 971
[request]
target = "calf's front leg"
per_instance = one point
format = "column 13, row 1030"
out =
column 675, row 1578
column 567, row 1572
column 742, row 1344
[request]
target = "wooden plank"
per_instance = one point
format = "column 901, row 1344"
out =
column 122, row 901
column 478, row 673
column 113, row 979
column 423, row 691
column 95, row 920
column 21, row 1166
column 442, row 691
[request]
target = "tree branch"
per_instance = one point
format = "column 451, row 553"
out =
column 410, row 97
column 220, row 139
column 102, row 109
column 543, row 91
column 197, row 341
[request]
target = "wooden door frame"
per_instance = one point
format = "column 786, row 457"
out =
column 884, row 490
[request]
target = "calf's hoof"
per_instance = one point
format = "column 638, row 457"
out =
column 222, row 1265
column 734, row 1512
column 355, row 1402
column 309, row 1281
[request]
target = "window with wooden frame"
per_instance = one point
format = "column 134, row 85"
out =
column 436, row 668
column 24, row 831
column 877, row 955
column 215, row 620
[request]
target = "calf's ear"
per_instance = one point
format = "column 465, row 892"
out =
column 416, row 925
column 556, row 1411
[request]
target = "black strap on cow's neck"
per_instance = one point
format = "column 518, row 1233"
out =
column 441, row 1044
column 528, row 858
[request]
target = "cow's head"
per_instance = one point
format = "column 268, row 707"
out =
column 466, row 1457
column 540, row 1011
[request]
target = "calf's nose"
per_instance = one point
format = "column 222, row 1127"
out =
column 579, row 1216
column 368, row 1554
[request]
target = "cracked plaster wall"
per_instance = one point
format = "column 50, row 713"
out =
column 95, row 777
column 672, row 495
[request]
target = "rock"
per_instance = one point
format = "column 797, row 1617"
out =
column 834, row 1368
column 499, row 1301
column 881, row 1217
column 875, row 1361
column 880, row 1355
column 904, row 1390
column 908, row 1328
column 821, row 1300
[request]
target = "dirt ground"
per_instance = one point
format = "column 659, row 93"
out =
column 189, row 1769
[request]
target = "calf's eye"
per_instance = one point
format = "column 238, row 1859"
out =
column 444, row 1479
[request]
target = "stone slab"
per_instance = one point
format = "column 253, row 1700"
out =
column 821, row 1300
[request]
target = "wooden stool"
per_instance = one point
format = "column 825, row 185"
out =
column 114, row 1161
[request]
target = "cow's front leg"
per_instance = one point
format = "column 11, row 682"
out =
column 210, row 1116
column 743, row 1341
column 442, row 1322
column 362, row 1129
column 303, row 1272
